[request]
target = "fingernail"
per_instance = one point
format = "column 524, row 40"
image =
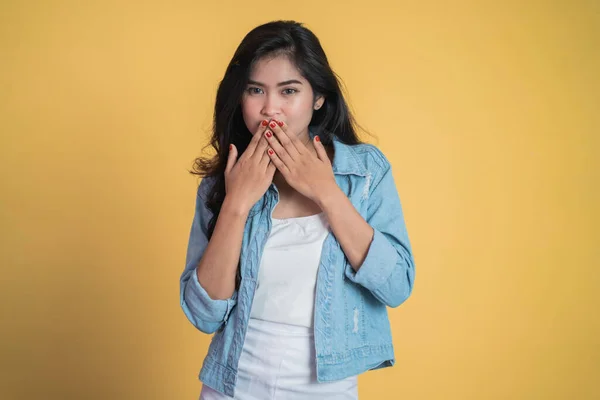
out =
column 264, row 122
column 273, row 124
column 318, row 139
column 271, row 151
column 268, row 133
column 280, row 123
column 230, row 147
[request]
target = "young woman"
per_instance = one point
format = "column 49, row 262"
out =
column 298, row 241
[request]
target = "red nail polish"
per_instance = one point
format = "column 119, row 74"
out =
column 264, row 122
column 268, row 133
column 280, row 123
column 318, row 139
column 272, row 124
column 270, row 151
column 230, row 147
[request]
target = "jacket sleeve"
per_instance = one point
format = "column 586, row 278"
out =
column 388, row 270
column 203, row 312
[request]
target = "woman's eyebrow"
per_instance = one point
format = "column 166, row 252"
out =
column 251, row 82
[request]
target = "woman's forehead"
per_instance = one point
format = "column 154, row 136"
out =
column 274, row 70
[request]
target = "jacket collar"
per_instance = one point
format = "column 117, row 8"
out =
column 345, row 159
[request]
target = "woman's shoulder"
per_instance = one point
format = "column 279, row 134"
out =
column 370, row 151
column 205, row 186
column 370, row 155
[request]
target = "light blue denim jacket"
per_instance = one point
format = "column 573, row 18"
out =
column 351, row 327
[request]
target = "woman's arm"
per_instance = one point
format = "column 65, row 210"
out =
column 218, row 267
column 350, row 229
column 207, row 285
column 377, row 248
column 208, row 282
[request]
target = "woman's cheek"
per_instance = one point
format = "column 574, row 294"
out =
column 249, row 117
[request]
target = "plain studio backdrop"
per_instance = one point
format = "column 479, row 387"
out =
column 487, row 110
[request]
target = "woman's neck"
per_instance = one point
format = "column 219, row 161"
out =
column 282, row 186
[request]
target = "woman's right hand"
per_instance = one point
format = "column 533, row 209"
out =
column 247, row 179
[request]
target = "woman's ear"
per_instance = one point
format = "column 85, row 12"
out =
column 319, row 102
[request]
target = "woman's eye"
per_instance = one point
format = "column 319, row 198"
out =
column 254, row 90
column 289, row 91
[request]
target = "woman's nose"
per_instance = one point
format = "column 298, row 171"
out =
column 271, row 106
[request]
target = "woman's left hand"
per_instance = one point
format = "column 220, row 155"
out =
column 309, row 174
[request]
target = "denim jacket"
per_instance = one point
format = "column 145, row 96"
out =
column 351, row 328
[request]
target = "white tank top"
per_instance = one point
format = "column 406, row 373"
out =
column 287, row 276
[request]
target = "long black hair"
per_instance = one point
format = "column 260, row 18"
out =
column 304, row 50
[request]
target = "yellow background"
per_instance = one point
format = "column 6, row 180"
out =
column 488, row 112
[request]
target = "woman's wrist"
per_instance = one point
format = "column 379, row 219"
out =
column 234, row 207
column 329, row 197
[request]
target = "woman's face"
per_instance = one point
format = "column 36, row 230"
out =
column 277, row 90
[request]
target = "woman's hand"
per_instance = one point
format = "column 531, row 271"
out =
column 310, row 174
column 247, row 179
